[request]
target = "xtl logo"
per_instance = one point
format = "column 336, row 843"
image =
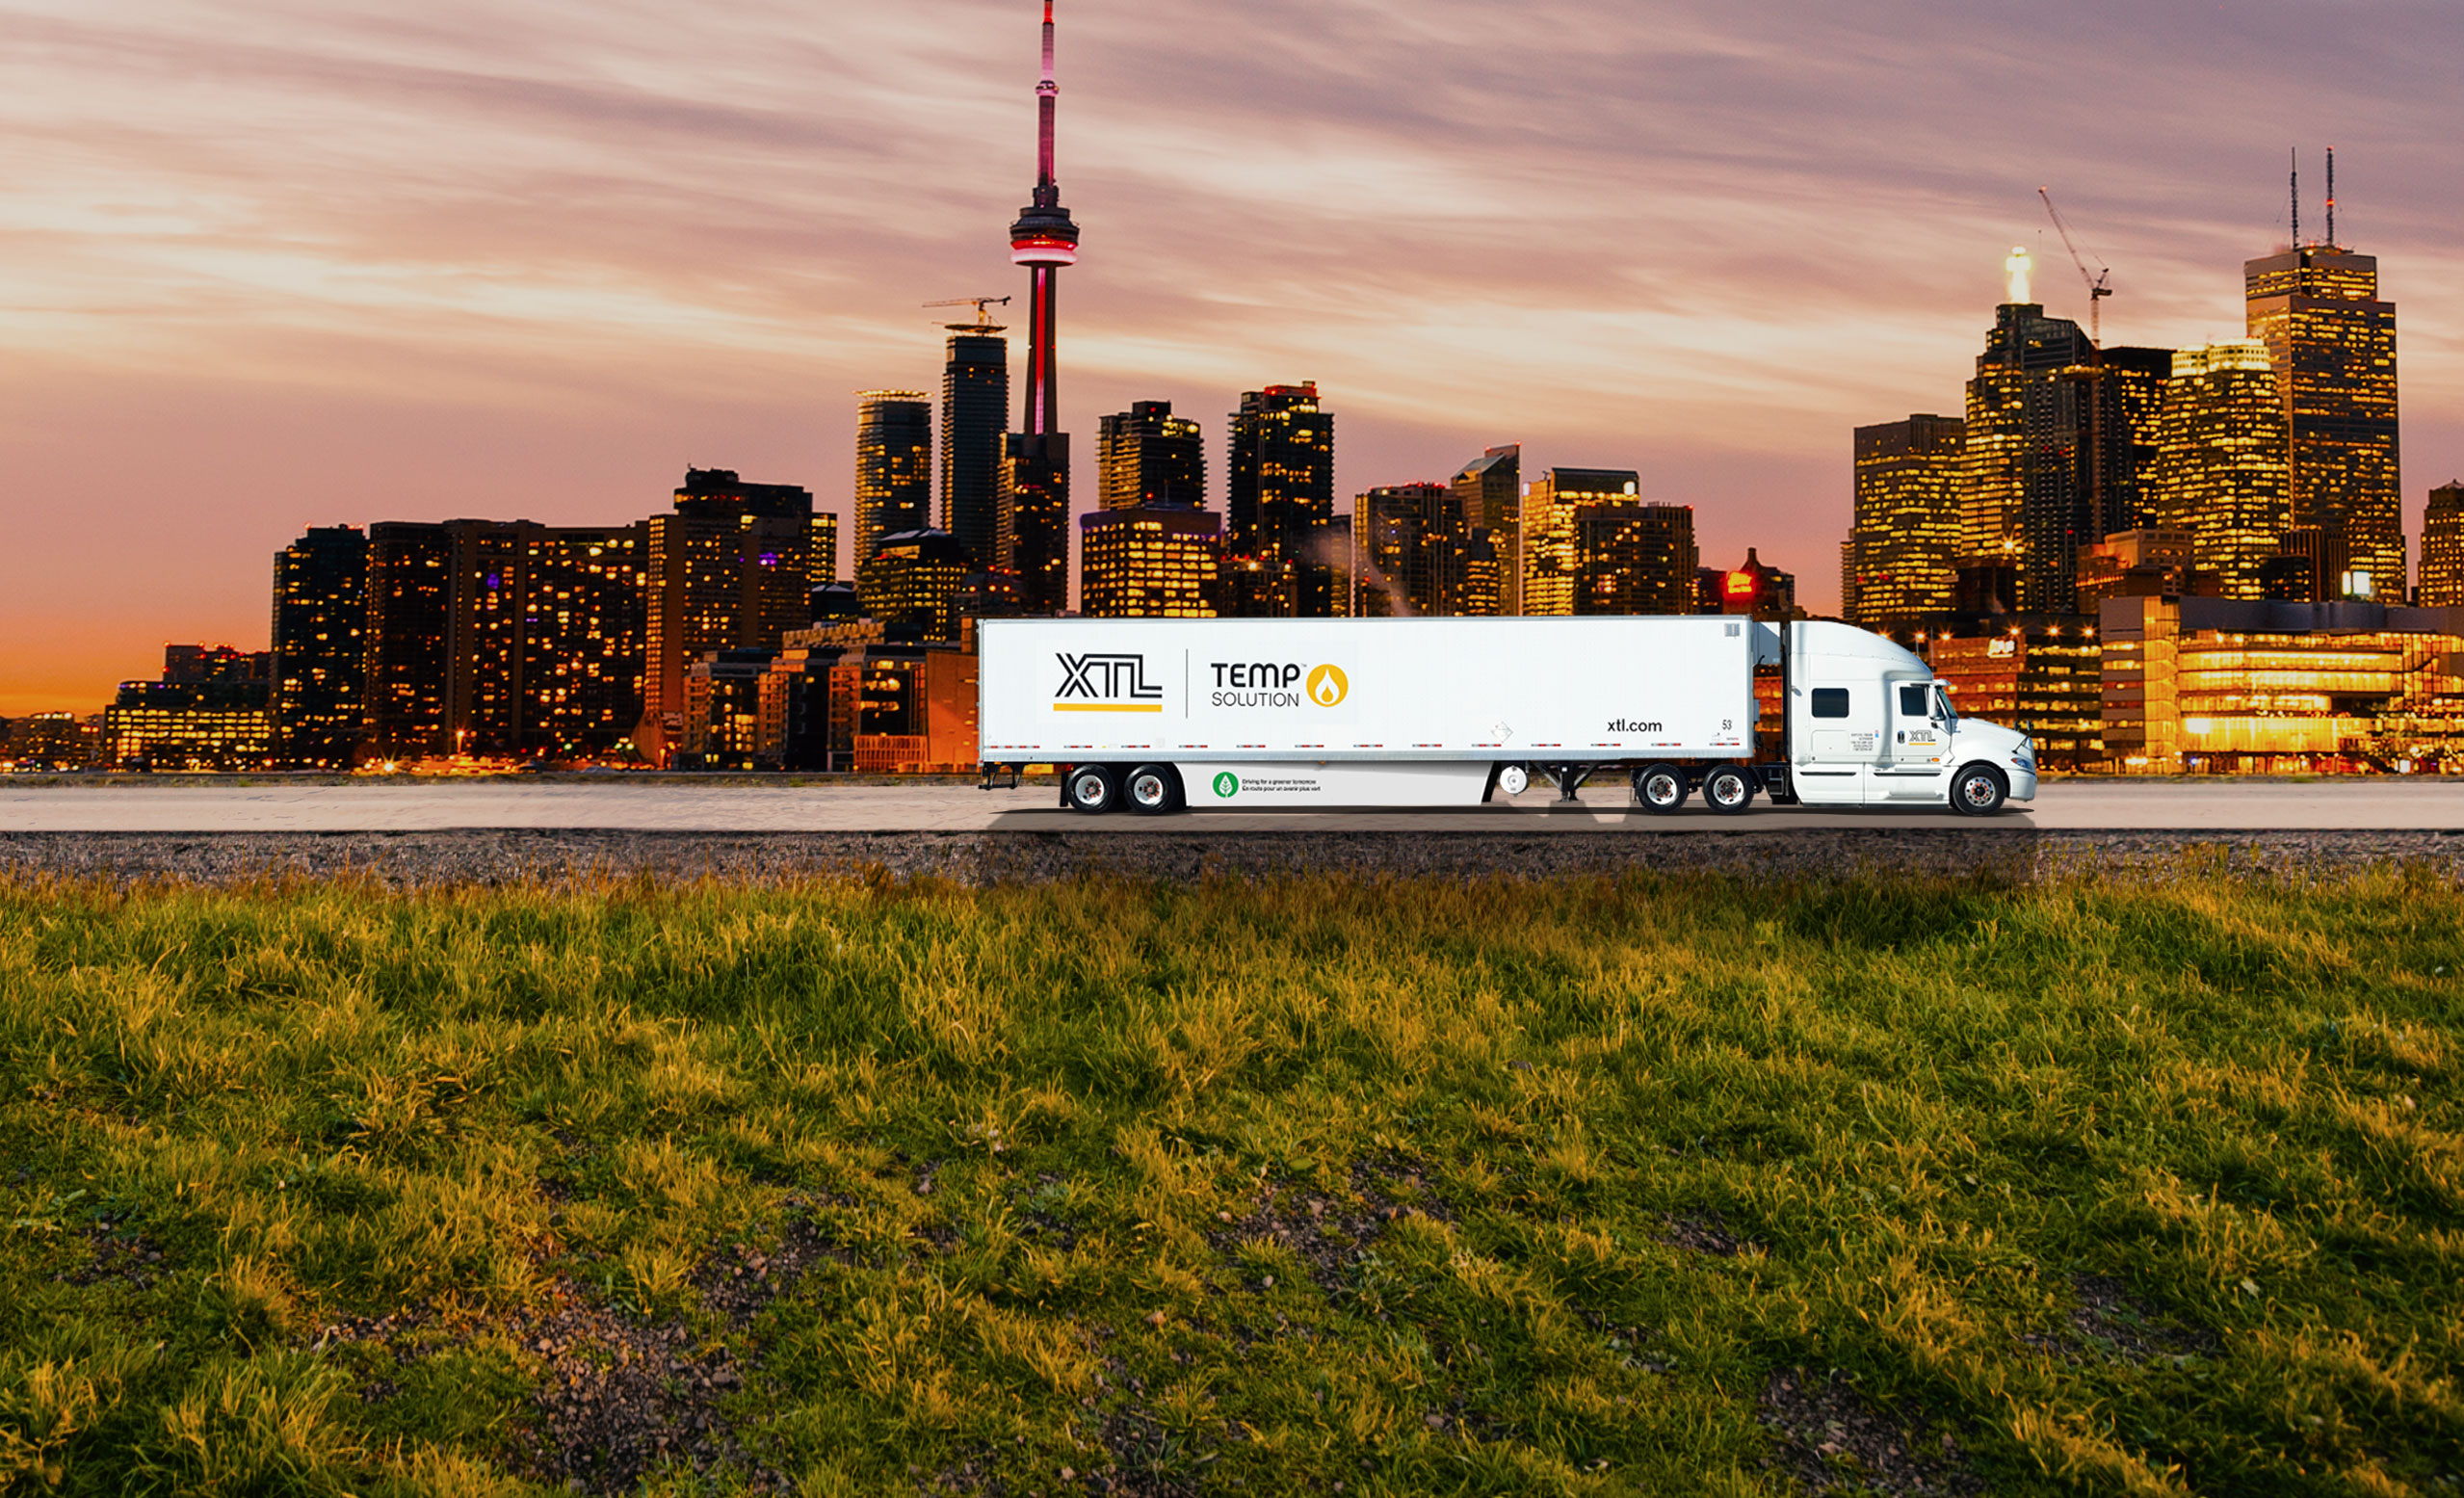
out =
column 1109, row 683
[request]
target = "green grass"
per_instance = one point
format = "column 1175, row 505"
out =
column 1545, row 1188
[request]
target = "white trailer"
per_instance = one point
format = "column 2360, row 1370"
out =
column 1159, row 714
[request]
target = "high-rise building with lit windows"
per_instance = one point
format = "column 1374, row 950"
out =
column 1630, row 558
column 1149, row 563
column 2442, row 584
column 320, row 647
column 410, row 586
column 1546, row 543
column 975, row 415
column 1903, row 544
column 1489, row 491
column 2221, row 469
column 1148, row 459
column 1280, row 495
column 2332, row 343
column 1416, row 552
column 825, row 548
column 730, row 569
column 503, row 639
column 893, row 466
column 911, row 582
column 2027, row 501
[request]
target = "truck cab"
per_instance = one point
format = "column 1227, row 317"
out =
column 1868, row 724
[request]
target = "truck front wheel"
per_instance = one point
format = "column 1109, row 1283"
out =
column 1661, row 788
column 1728, row 789
column 1093, row 788
column 1978, row 791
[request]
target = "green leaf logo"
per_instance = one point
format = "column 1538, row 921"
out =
column 1228, row 785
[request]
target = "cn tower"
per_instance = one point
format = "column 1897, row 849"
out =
column 1035, row 496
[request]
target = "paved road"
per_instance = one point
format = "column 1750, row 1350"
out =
column 433, row 805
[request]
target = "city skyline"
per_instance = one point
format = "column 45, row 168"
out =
column 1748, row 294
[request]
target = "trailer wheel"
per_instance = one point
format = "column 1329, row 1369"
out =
column 1093, row 788
column 1661, row 788
column 1978, row 791
column 1728, row 790
column 1152, row 790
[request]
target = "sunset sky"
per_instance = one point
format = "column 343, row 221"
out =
column 270, row 265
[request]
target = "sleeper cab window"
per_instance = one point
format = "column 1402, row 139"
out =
column 1912, row 701
column 1830, row 702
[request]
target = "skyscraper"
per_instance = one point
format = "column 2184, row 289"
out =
column 1631, row 557
column 2221, row 469
column 975, row 418
column 1035, row 472
column 893, row 466
column 503, row 638
column 729, row 570
column 320, row 647
column 2442, row 548
column 1414, row 552
column 1489, row 492
column 1148, row 459
column 1906, row 539
column 1280, row 495
column 1547, row 542
column 2332, row 343
column 2029, row 501
column 409, row 623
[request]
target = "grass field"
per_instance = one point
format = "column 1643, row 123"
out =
column 1679, row 1186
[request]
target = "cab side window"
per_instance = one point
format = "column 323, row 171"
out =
column 1912, row 701
column 1830, row 702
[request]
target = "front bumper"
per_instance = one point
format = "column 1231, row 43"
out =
column 2023, row 783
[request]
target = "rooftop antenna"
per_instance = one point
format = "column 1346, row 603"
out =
column 2296, row 196
column 2331, row 198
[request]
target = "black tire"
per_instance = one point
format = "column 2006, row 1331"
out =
column 1728, row 790
column 1978, row 791
column 1093, row 788
column 1151, row 790
column 1659, row 788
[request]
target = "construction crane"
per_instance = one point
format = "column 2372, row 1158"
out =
column 983, row 319
column 2098, row 282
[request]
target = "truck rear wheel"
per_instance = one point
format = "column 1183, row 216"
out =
column 1728, row 790
column 1093, row 788
column 1661, row 788
column 1152, row 790
column 1978, row 791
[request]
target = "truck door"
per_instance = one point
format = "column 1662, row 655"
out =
column 1840, row 725
column 1909, row 766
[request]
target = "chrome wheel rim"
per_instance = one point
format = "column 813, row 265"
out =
column 1087, row 790
column 1661, row 790
column 1148, row 790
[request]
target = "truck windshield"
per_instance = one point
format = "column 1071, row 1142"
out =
column 1942, row 695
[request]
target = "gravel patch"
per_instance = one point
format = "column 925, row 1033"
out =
column 420, row 859
column 1832, row 1441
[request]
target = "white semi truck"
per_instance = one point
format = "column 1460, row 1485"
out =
column 1155, row 715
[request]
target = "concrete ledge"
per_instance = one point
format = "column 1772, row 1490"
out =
column 976, row 858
